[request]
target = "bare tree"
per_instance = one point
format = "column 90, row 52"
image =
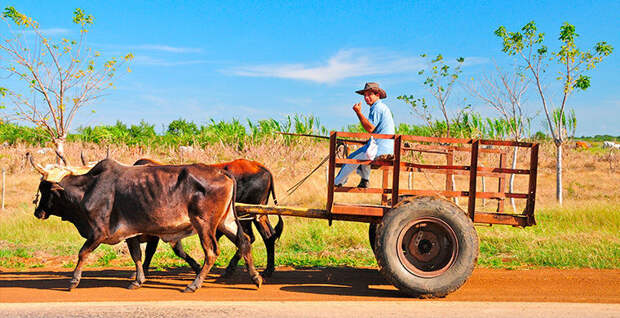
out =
column 51, row 79
column 504, row 92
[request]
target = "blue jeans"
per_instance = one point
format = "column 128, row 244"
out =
column 347, row 169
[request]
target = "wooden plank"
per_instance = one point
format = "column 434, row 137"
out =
column 396, row 170
column 332, row 168
column 362, row 190
column 384, row 197
column 529, row 206
column 430, row 167
column 302, row 212
column 449, row 173
column 359, row 210
column 501, row 183
column 243, row 208
column 436, row 193
column 437, row 139
column 471, row 203
column 499, row 218
column 507, row 143
column 479, row 195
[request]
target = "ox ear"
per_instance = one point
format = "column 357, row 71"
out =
column 56, row 187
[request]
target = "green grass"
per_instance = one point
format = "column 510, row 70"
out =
column 586, row 236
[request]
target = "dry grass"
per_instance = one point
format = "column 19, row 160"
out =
column 591, row 182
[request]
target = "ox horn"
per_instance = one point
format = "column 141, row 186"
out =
column 61, row 157
column 36, row 166
column 107, row 152
column 84, row 163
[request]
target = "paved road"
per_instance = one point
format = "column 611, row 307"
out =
column 270, row 309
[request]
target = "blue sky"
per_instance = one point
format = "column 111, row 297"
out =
column 199, row 60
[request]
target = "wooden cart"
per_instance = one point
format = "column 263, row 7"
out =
column 425, row 244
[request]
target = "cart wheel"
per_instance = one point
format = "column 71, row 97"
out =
column 372, row 235
column 426, row 246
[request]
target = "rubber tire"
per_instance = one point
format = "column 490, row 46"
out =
column 421, row 207
column 372, row 236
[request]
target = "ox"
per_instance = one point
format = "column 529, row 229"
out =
column 113, row 202
column 254, row 185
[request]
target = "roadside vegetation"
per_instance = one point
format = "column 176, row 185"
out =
column 584, row 233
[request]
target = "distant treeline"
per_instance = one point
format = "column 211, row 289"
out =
column 235, row 132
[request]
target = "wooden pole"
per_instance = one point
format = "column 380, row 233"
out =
column 3, row 185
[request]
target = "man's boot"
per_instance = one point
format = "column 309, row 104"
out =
column 363, row 183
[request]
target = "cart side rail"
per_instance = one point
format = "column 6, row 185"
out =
column 445, row 146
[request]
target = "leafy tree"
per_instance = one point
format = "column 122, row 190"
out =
column 58, row 77
column 181, row 127
column 440, row 80
column 573, row 63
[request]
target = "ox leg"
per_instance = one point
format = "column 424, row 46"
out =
column 177, row 247
column 209, row 246
column 234, row 232
column 269, row 236
column 232, row 265
column 151, row 247
column 149, row 251
column 89, row 246
column 136, row 255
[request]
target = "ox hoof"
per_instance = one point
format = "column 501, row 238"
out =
column 134, row 285
column 72, row 284
column 190, row 289
column 258, row 281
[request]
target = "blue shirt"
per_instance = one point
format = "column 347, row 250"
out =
column 381, row 117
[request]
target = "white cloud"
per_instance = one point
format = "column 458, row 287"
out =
column 166, row 48
column 344, row 64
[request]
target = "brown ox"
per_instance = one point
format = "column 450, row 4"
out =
column 113, row 202
column 254, row 185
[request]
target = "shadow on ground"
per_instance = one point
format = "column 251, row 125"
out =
column 320, row 281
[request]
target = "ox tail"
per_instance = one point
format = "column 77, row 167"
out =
column 272, row 189
column 280, row 226
column 232, row 200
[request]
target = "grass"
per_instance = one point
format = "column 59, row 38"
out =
column 585, row 233
column 568, row 237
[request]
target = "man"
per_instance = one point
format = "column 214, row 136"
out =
column 379, row 121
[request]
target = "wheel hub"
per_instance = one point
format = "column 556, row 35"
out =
column 427, row 247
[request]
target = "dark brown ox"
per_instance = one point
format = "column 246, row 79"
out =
column 254, row 185
column 113, row 202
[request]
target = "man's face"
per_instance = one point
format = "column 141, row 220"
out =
column 370, row 97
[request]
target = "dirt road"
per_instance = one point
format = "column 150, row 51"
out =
column 324, row 284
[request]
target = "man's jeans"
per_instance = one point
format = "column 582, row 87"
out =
column 347, row 169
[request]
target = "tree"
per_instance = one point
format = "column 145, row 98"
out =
column 440, row 81
column 60, row 76
column 504, row 91
column 573, row 63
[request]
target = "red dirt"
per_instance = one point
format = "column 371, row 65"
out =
column 322, row 284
